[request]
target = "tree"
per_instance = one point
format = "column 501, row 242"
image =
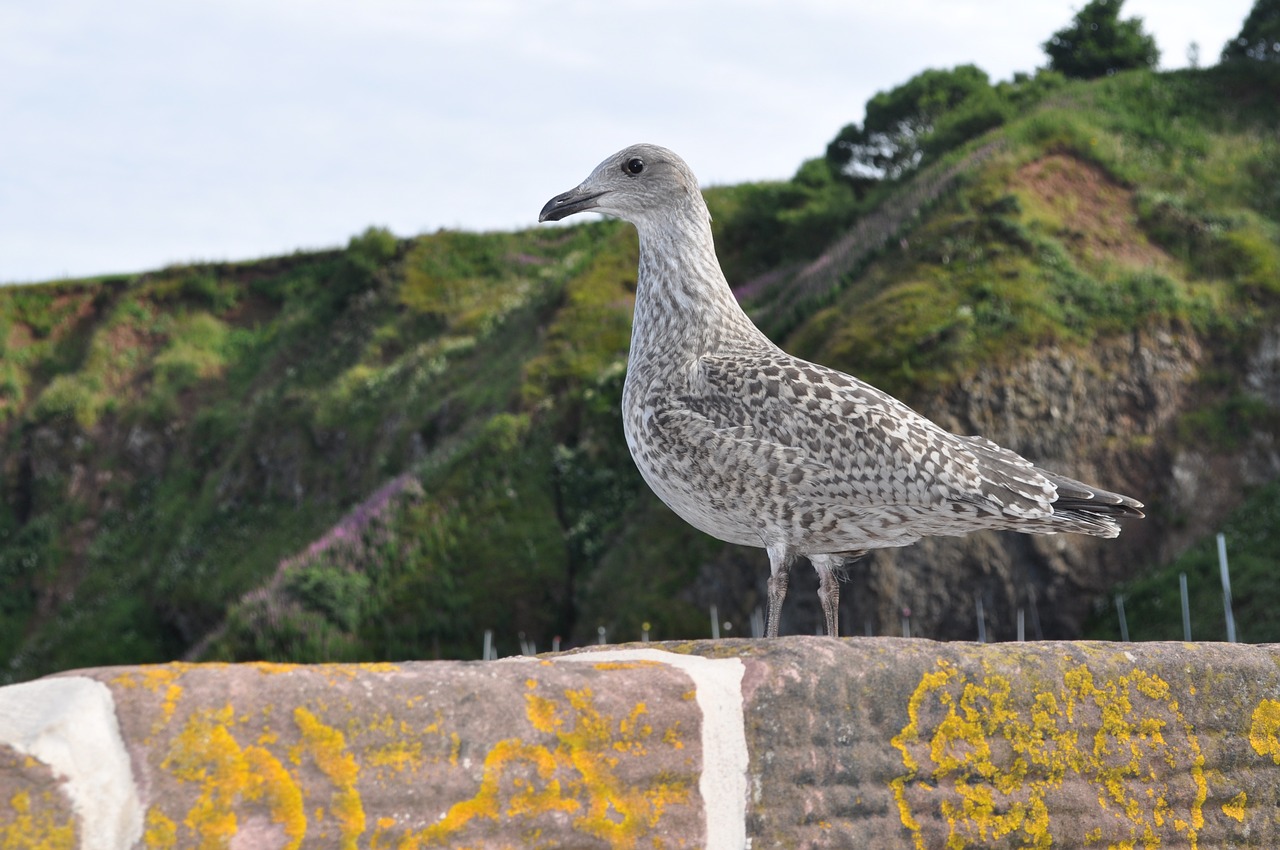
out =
column 892, row 139
column 1098, row 43
column 1259, row 38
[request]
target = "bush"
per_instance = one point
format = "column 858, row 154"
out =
column 336, row 593
column 764, row 225
column 374, row 247
column 1227, row 425
column 1259, row 38
column 1098, row 43
column 70, row 396
column 894, row 137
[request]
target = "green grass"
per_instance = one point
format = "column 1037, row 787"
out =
column 1153, row 607
column 994, row 274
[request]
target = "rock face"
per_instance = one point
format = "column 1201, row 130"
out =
column 1109, row 420
column 797, row 742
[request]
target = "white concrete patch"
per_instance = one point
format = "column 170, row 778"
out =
column 69, row 723
column 723, row 785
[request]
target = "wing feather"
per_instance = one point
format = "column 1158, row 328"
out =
column 853, row 444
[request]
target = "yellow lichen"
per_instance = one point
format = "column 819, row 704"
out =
column 381, row 839
column 671, row 737
column 271, row 668
column 399, row 755
column 161, row 832
column 575, row 776
column 456, row 747
column 35, row 826
column 1264, row 731
column 157, row 678
column 328, row 749
column 1234, row 808
column 1113, row 733
column 206, row 752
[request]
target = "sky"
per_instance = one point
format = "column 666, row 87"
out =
column 142, row 133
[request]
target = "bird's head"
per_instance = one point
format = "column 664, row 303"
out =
column 639, row 184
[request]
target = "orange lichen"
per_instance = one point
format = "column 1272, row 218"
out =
column 671, row 737
column 161, row 832
column 1264, row 730
column 331, row 672
column 398, row 755
column 1235, row 807
column 271, row 668
column 156, row 679
column 381, row 839
column 35, row 826
column 625, row 665
column 328, row 749
column 1114, row 734
column 456, row 747
column 574, row 776
column 206, row 752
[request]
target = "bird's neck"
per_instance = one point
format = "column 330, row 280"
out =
column 684, row 306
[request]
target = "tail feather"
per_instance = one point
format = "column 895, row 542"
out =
column 1038, row 501
column 1078, row 497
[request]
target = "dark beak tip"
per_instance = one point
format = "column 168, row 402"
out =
column 549, row 212
column 564, row 205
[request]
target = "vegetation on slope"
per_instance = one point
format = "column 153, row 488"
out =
column 1153, row 602
column 380, row 452
column 1042, row 245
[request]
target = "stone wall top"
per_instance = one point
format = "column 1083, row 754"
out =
column 794, row 742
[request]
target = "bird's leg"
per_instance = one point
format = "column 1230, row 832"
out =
column 780, row 561
column 829, row 589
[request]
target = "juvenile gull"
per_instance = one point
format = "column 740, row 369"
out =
column 756, row 447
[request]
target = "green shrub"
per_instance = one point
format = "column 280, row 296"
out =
column 374, row 247
column 196, row 351
column 71, row 396
column 336, row 593
column 1228, row 424
column 1153, row 601
column 12, row 381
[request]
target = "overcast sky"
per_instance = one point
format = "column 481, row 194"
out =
column 139, row 133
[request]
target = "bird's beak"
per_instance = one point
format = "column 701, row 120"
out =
column 574, row 201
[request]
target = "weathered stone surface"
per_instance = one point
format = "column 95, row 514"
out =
column 32, row 803
column 416, row 755
column 797, row 742
column 908, row 743
column 68, row 725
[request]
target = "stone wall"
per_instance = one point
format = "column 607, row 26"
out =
column 796, row 742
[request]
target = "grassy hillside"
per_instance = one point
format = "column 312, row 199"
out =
column 382, row 451
column 1153, row 603
column 1116, row 202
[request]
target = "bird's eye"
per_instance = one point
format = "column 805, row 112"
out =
column 635, row 165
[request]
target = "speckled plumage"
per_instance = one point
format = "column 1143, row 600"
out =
column 757, row 447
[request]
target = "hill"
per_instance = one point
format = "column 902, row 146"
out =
column 380, row 452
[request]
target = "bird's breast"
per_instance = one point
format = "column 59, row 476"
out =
column 677, row 472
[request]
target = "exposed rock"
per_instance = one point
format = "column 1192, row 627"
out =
column 796, row 742
column 1262, row 373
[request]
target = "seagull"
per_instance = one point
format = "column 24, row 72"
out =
column 756, row 447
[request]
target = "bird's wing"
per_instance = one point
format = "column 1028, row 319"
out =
column 854, row 443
